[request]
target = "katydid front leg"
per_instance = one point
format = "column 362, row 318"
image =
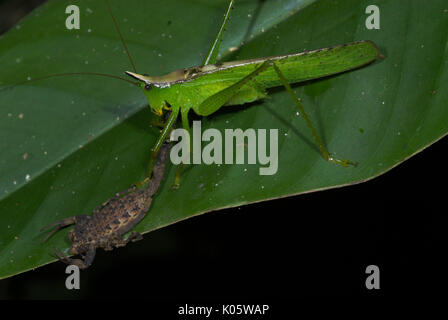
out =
column 155, row 150
column 210, row 58
column 180, row 168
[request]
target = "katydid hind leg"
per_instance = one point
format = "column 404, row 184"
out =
column 216, row 101
column 323, row 150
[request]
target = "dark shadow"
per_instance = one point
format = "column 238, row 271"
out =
column 11, row 12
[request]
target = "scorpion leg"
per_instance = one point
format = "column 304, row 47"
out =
column 134, row 236
column 83, row 218
column 81, row 264
column 60, row 224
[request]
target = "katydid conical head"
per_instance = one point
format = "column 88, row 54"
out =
column 151, row 91
column 143, row 78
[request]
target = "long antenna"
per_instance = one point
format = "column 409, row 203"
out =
column 121, row 36
column 212, row 54
column 70, row 74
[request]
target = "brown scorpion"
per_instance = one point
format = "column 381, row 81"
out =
column 111, row 220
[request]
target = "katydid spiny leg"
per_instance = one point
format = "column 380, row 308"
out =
column 309, row 123
column 160, row 140
column 180, row 168
column 210, row 58
column 216, row 101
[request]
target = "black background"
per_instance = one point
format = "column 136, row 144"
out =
column 313, row 244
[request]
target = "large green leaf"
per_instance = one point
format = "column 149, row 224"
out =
column 69, row 143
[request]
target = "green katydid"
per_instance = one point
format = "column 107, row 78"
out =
column 207, row 88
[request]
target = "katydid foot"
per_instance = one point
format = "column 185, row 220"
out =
column 342, row 162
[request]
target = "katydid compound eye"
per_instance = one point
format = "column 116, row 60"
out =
column 148, row 87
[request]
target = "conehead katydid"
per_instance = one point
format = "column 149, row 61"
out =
column 207, row 88
column 211, row 86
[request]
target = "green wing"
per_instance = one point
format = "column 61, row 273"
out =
column 190, row 88
column 297, row 67
column 235, row 77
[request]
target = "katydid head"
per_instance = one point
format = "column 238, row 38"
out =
column 151, row 91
